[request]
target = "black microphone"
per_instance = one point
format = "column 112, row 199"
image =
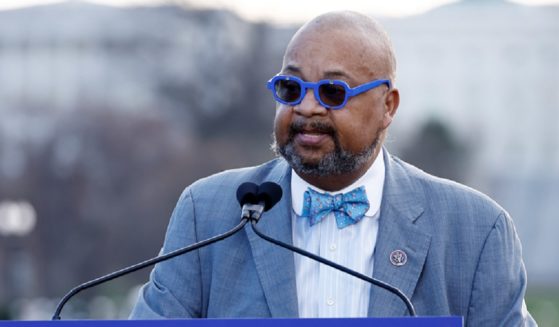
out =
column 271, row 192
column 247, row 193
column 254, row 200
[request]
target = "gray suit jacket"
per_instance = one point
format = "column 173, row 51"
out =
column 464, row 256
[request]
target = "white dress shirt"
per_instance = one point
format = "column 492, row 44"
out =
column 323, row 291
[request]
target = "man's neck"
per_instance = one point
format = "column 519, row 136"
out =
column 334, row 183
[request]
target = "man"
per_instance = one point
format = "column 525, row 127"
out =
column 450, row 249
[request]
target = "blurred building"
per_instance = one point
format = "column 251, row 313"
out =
column 64, row 55
column 489, row 70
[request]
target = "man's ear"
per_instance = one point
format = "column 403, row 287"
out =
column 391, row 103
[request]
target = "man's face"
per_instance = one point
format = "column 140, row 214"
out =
column 322, row 142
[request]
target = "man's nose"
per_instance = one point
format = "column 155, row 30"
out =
column 310, row 106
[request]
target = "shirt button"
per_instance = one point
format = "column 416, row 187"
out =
column 333, row 247
column 330, row 302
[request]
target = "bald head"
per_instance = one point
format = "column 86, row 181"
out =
column 333, row 148
column 366, row 39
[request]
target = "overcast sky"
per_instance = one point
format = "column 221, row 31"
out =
column 286, row 11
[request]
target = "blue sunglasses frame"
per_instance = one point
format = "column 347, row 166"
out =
column 349, row 91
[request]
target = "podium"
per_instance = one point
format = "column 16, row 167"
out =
column 275, row 322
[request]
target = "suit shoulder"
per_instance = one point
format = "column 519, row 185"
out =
column 212, row 200
column 272, row 170
column 446, row 195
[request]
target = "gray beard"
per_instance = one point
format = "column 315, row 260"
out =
column 337, row 162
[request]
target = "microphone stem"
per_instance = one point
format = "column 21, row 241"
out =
column 302, row 252
column 144, row 264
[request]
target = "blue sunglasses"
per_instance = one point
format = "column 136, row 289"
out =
column 331, row 94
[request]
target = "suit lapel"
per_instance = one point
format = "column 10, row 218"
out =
column 275, row 265
column 402, row 205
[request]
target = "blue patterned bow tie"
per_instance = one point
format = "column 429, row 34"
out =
column 348, row 208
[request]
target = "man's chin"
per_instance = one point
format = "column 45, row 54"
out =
column 300, row 163
column 309, row 159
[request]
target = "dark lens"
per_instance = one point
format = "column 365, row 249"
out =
column 332, row 94
column 288, row 90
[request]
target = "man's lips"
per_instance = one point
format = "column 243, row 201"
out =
column 311, row 134
column 311, row 138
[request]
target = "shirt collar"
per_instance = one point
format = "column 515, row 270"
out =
column 373, row 180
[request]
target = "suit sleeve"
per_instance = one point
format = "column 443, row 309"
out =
column 500, row 280
column 174, row 289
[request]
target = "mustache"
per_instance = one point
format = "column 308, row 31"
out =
column 298, row 126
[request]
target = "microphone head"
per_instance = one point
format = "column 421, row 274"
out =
column 247, row 193
column 270, row 193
